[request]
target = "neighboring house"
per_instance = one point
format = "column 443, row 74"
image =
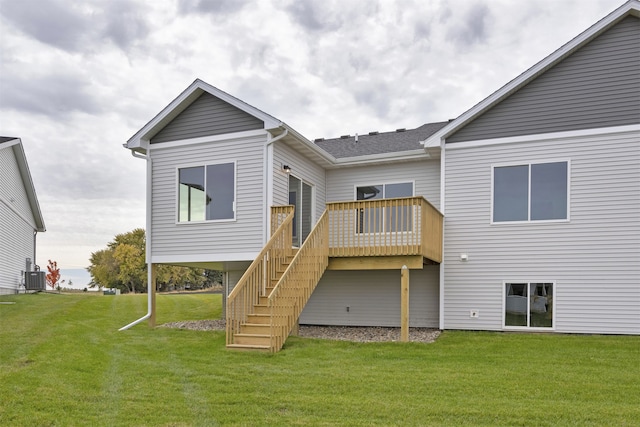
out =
column 20, row 216
column 539, row 185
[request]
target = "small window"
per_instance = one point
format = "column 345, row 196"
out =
column 536, row 192
column 528, row 305
column 206, row 193
column 391, row 219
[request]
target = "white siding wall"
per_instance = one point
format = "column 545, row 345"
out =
column 211, row 239
column 373, row 298
column 426, row 174
column 594, row 259
column 16, row 234
column 302, row 168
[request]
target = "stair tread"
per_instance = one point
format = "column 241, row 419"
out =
column 248, row 346
column 241, row 334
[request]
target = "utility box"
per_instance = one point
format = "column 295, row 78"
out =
column 35, row 280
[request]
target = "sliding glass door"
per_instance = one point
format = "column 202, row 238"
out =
column 300, row 196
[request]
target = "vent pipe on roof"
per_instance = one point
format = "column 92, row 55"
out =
column 356, row 138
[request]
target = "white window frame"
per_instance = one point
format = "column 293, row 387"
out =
column 529, row 220
column 195, row 165
column 383, row 185
column 528, row 284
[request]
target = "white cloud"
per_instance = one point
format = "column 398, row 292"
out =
column 78, row 79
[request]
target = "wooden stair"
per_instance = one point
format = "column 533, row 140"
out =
column 255, row 333
column 264, row 307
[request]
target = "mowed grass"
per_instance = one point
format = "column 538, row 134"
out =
column 64, row 363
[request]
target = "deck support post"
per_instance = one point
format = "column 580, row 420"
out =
column 404, row 302
column 152, row 298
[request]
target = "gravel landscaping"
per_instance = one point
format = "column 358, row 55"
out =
column 342, row 333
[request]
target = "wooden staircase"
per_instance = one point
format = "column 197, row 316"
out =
column 264, row 306
column 255, row 332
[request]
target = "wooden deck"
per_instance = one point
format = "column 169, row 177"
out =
column 264, row 306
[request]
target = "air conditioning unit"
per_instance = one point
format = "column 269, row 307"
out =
column 34, row 280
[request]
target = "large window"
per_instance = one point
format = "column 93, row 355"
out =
column 376, row 220
column 528, row 304
column 207, row 193
column 534, row 192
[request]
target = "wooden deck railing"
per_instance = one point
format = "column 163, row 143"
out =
column 254, row 281
column 385, row 227
column 298, row 282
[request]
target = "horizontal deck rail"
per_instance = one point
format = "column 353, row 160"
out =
column 385, row 227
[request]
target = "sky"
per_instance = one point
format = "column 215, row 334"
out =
column 79, row 78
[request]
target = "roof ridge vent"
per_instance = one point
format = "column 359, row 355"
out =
column 345, row 136
column 401, row 130
column 375, row 132
column 318, row 140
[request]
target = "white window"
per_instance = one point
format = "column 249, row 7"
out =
column 206, row 193
column 391, row 219
column 531, row 192
column 528, row 304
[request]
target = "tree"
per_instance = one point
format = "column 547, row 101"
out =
column 122, row 265
column 53, row 275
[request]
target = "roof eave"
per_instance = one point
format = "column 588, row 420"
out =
column 631, row 7
column 140, row 140
column 25, row 174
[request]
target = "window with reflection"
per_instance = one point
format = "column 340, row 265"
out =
column 206, row 193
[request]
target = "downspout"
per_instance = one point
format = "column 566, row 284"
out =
column 148, row 243
column 442, row 209
column 268, row 183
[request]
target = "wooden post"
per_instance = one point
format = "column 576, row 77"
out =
column 152, row 289
column 404, row 302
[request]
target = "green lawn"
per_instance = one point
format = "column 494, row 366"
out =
column 63, row 362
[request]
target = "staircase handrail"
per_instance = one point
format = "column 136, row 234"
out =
column 255, row 279
column 298, row 282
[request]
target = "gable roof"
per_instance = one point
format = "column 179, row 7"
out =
column 631, row 7
column 18, row 150
column 379, row 142
column 139, row 141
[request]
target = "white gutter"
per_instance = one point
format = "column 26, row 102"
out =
column 268, row 182
column 442, row 210
column 148, row 238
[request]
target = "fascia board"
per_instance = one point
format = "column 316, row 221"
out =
column 399, row 156
column 140, row 139
column 631, row 7
column 25, row 174
column 328, row 158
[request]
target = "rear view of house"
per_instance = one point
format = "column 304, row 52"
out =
column 521, row 214
column 20, row 217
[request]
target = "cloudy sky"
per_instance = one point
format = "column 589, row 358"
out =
column 78, row 78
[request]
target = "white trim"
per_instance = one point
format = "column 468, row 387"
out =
column 185, row 99
column 399, row 156
column 544, row 137
column 632, row 6
column 529, row 220
column 268, row 189
column 202, row 258
column 198, row 165
column 529, row 328
column 207, row 139
column 443, row 162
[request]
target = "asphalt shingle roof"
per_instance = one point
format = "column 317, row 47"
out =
column 379, row 143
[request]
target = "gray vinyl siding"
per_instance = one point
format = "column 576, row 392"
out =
column 301, row 168
column 207, row 116
column 594, row 259
column 597, row 86
column 16, row 244
column 426, row 174
column 373, row 298
column 243, row 235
